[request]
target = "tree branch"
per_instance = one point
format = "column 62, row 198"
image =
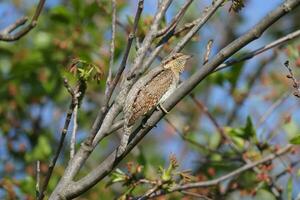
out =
column 61, row 142
column 198, row 24
column 130, row 39
column 207, row 14
column 251, row 84
column 74, row 131
column 175, row 20
column 232, row 174
column 38, row 173
column 260, row 50
column 111, row 161
column 112, row 52
column 133, row 74
column 104, row 109
column 101, row 127
column 69, row 189
column 6, row 34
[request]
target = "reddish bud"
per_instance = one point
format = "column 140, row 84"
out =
column 211, row 171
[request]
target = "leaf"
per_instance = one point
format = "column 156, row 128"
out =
column 290, row 188
column 41, row 151
column 141, row 159
column 249, row 130
column 234, row 73
column 291, row 129
column 246, row 132
column 236, row 136
column 42, row 40
column 117, row 176
column 298, row 173
column 60, row 14
column 295, row 140
column 27, row 185
column 264, row 194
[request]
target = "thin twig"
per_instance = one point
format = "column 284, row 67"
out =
column 74, row 131
column 102, row 113
column 232, row 115
column 118, row 22
column 172, row 25
column 134, row 72
column 260, row 50
column 116, row 126
column 220, row 129
column 296, row 83
column 7, row 35
column 207, row 52
column 255, row 32
column 137, row 70
column 272, row 108
column 198, row 196
column 287, row 169
column 112, row 52
column 151, row 191
column 232, row 174
column 199, row 23
column 185, row 27
column 69, row 189
column 61, row 142
column 183, row 137
column 38, row 172
column 250, row 83
column 14, row 26
column 69, row 88
column 130, row 39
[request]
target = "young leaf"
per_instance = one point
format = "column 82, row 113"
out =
column 295, row 140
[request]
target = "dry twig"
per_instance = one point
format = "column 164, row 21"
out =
column 7, row 35
column 232, row 174
column 296, row 83
column 61, row 141
column 260, row 50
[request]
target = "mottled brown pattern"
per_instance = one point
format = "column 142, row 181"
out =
column 150, row 94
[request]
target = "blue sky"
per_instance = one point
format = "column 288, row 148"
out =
column 254, row 12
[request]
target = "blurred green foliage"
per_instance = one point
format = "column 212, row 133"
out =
column 34, row 102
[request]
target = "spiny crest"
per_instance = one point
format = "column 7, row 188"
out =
column 176, row 62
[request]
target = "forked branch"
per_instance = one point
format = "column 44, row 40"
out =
column 8, row 35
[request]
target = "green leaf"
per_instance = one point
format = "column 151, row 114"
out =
column 295, row 140
column 234, row 73
column 246, row 132
column 27, row 185
column 42, row 40
column 298, row 173
column 291, row 129
column 41, row 151
column 117, row 176
column 290, row 188
column 60, row 14
column 264, row 194
column 249, row 130
column 142, row 159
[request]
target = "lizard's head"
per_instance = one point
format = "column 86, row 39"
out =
column 176, row 62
